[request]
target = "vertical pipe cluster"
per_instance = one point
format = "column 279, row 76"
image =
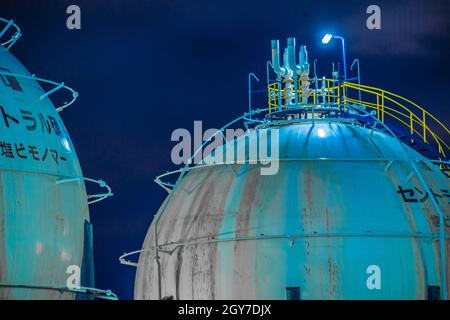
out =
column 291, row 74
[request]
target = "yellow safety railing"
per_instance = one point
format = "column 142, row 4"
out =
column 331, row 93
column 389, row 107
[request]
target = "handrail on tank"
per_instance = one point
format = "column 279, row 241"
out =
column 95, row 197
column 332, row 93
column 95, row 292
column 416, row 119
column 126, row 262
column 168, row 186
column 57, row 87
column 14, row 37
column 217, row 238
column 101, row 196
column 246, row 117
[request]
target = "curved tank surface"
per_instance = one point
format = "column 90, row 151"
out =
column 45, row 234
column 330, row 212
column 358, row 207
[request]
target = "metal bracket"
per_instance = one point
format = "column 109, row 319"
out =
column 16, row 35
column 58, row 86
column 130, row 263
column 95, row 197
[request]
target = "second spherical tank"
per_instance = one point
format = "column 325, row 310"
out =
column 347, row 216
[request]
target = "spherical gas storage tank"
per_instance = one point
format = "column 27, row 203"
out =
column 332, row 223
column 44, row 217
column 335, row 191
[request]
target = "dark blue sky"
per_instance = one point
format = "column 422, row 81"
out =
column 145, row 68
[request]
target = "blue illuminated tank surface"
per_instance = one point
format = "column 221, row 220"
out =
column 355, row 211
column 42, row 221
column 329, row 213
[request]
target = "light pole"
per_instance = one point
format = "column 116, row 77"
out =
column 326, row 38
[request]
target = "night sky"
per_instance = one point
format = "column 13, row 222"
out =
column 145, row 68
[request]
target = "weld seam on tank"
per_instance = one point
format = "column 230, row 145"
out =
column 312, row 235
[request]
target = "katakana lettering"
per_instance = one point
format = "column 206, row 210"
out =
column 34, row 152
column 19, row 149
column 28, row 116
column 407, row 194
column 7, row 117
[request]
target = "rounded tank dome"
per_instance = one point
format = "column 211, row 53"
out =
column 336, row 190
column 340, row 205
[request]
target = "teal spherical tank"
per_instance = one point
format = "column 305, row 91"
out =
column 44, row 216
column 348, row 215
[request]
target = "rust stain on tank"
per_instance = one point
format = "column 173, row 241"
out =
column 415, row 242
column 332, row 278
column 332, row 267
column 447, row 262
column 308, row 186
column 327, row 224
column 307, row 219
column 247, row 203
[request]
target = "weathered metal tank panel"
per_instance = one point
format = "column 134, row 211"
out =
column 41, row 219
column 337, row 206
